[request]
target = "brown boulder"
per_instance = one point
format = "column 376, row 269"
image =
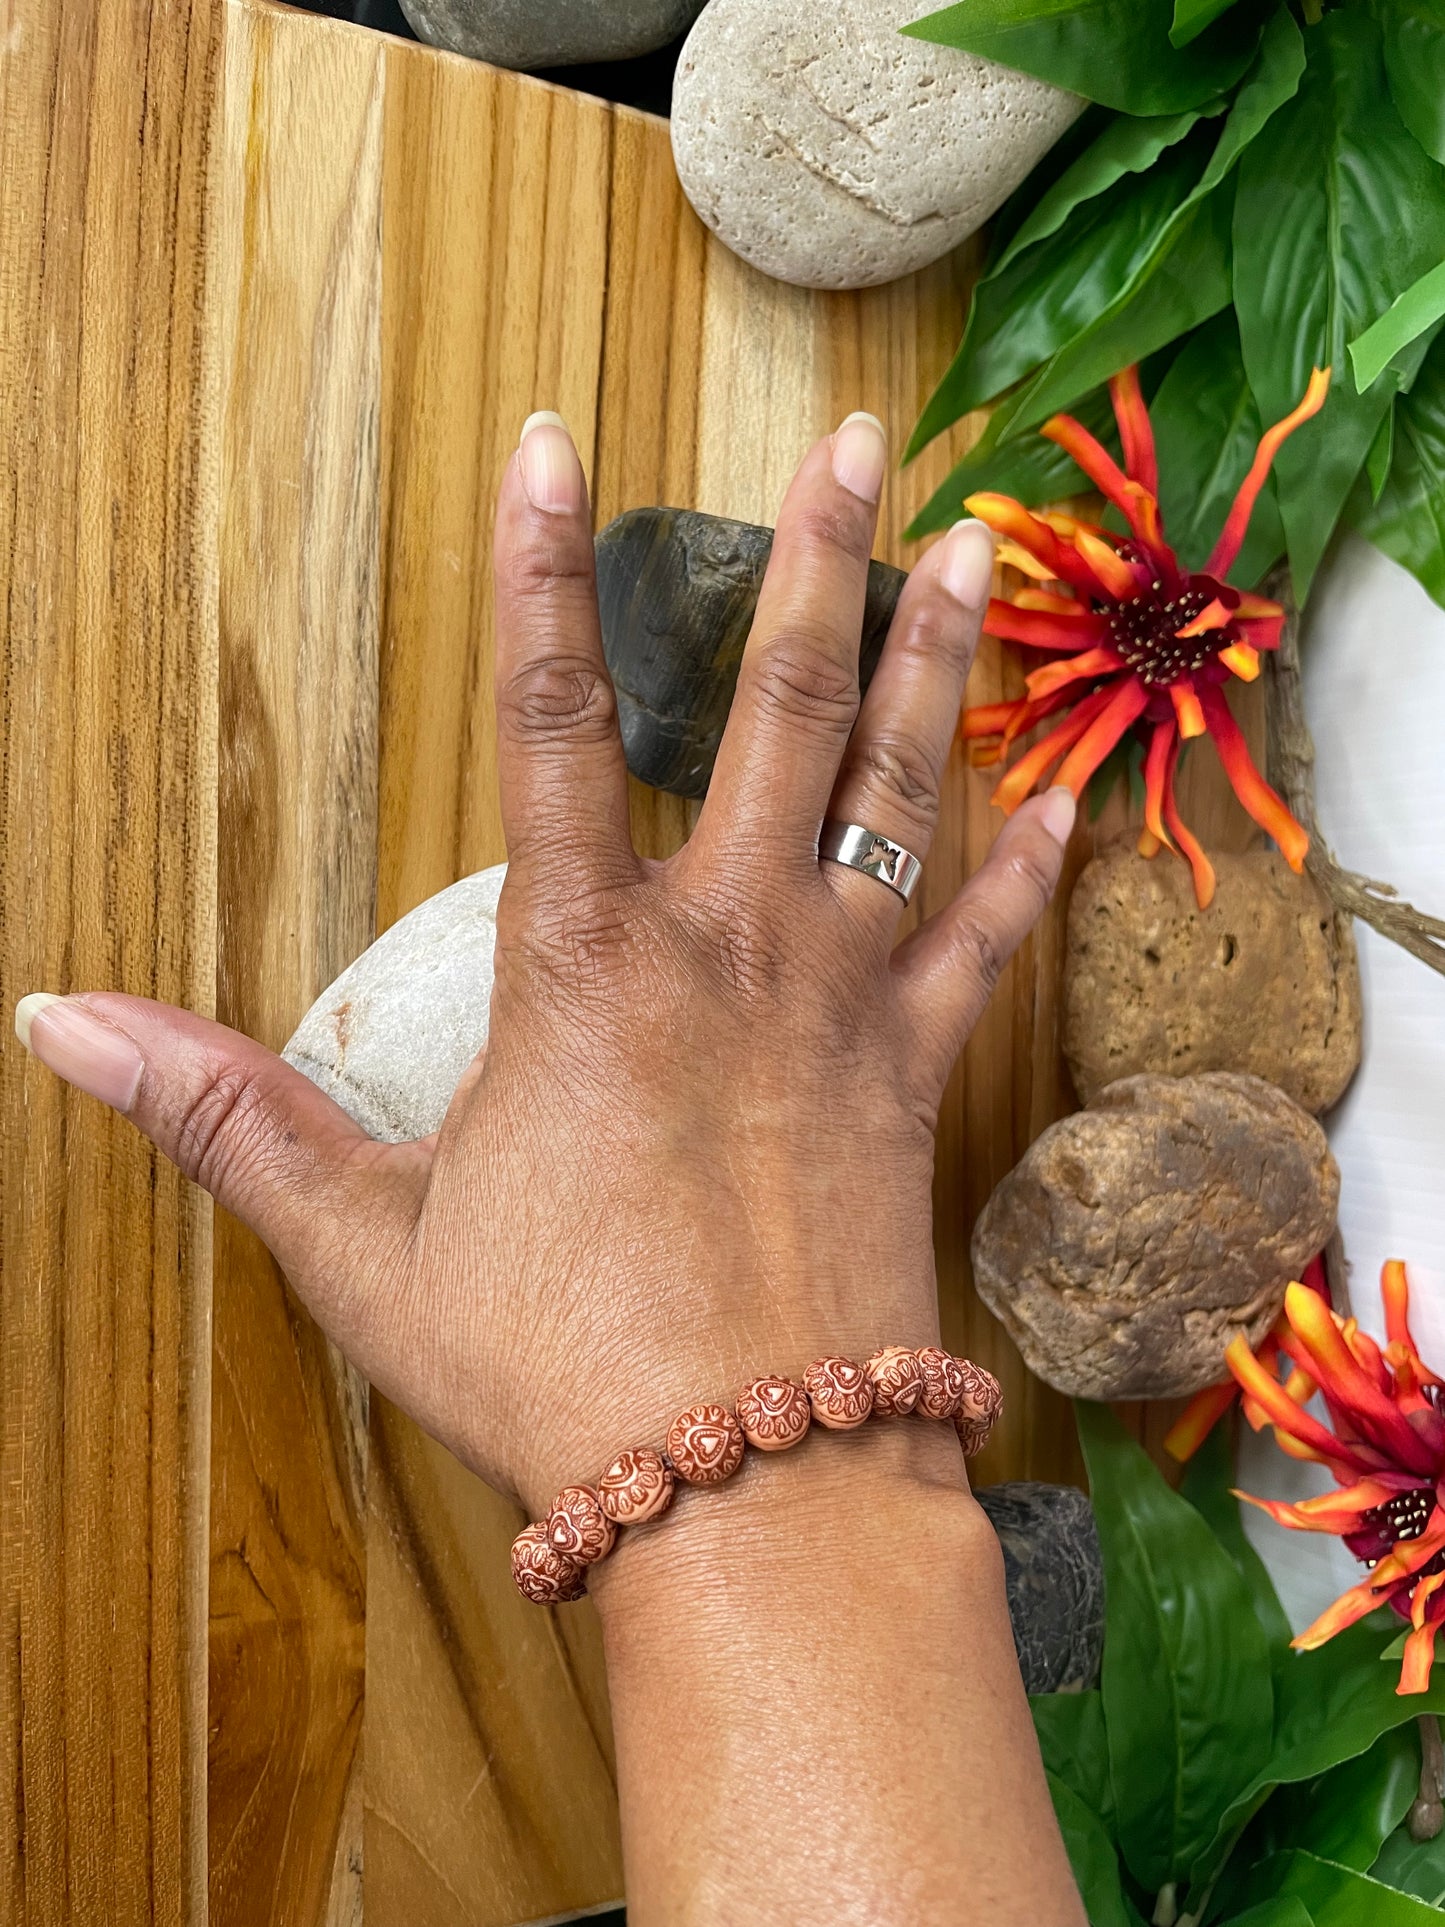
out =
column 1135, row 1238
column 1265, row 980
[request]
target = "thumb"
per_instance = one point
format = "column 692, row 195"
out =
column 238, row 1121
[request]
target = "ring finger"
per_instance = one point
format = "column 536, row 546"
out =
column 889, row 779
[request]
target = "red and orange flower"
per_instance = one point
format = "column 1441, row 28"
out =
column 1147, row 645
column 1385, row 1446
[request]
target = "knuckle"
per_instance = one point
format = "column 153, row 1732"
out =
column 899, row 771
column 752, row 958
column 581, row 943
column 1035, row 873
column 559, row 696
column 936, row 636
column 841, row 527
column 535, row 571
column 228, row 1125
column 980, row 951
column 801, row 681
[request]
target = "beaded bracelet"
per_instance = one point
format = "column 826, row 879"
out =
column 705, row 1445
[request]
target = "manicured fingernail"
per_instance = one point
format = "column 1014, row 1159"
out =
column 1057, row 814
column 75, row 1044
column 860, row 450
column 551, row 471
column 967, row 569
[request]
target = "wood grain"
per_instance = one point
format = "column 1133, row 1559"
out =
column 107, row 877
column 277, row 294
column 298, row 315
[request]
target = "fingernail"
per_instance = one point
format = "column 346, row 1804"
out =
column 860, row 449
column 75, row 1044
column 551, row 470
column 967, row 571
column 1060, row 807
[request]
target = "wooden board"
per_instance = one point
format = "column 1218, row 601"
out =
column 260, row 369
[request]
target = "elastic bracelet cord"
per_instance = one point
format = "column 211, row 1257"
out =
column 705, row 1445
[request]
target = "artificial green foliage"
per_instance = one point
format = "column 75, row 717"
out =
column 1266, row 196
column 1215, row 1776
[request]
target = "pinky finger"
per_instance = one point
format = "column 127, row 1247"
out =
column 947, row 970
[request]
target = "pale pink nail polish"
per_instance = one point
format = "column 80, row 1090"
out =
column 860, row 450
column 80, row 1047
column 967, row 568
column 1057, row 813
column 551, row 469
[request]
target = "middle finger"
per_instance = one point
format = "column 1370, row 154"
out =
column 797, row 693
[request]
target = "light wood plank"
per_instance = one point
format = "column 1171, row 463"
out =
column 107, row 880
column 299, row 317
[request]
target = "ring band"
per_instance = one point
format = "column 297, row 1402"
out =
column 875, row 855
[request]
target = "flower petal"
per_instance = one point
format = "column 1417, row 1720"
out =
column 1136, row 503
column 1041, row 630
column 1035, row 763
column 988, row 719
column 1059, row 561
column 1334, row 1512
column 1184, row 838
column 1108, row 565
column 1214, row 616
column 1046, row 599
column 1070, row 669
column 1346, row 1382
column 1127, row 701
column 1241, row 659
column 1136, row 432
column 1262, row 632
column 1231, row 536
column 1417, row 1660
column 1156, row 772
column 1186, row 708
column 1249, row 786
column 1198, row 1419
column 1286, row 1416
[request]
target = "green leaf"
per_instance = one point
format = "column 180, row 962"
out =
column 1347, row 1814
column 1337, row 210
column 1381, row 455
column 1414, row 1866
column 1184, row 282
column 1206, row 1484
column 1408, row 519
column 1338, row 1897
column 1047, row 294
column 1113, row 51
column 1030, row 469
column 1126, row 146
column 1186, row 1678
column 1075, row 1748
column 1191, row 17
column 1330, row 1706
column 1415, row 62
column 1288, row 1912
column 1092, row 1857
column 1408, row 315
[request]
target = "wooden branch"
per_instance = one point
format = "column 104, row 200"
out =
column 1292, row 771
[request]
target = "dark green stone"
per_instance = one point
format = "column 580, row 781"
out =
column 677, row 590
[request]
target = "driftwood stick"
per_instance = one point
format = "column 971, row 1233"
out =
column 1292, row 771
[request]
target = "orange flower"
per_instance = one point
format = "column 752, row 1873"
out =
column 1151, row 646
column 1385, row 1446
column 1207, row 1408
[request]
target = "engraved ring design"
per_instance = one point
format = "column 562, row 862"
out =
column 875, row 855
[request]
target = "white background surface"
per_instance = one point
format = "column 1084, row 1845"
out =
column 1374, row 678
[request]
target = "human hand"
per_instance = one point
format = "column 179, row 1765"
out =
column 699, row 1144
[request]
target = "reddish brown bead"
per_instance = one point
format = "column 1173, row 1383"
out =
column 839, row 1391
column 896, row 1381
column 577, row 1527
column 774, row 1413
column 705, row 1444
column 638, row 1485
column 979, row 1407
column 942, row 1383
column 546, row 1577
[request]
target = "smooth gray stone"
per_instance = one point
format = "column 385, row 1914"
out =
column 550, row 33
column 391, row 1037
column 1054, row 1574
column 677, row 590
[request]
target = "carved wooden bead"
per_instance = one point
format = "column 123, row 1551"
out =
column 774, row 1413
column 577, row 1527
column 979, row 1407
column 839, row 1391
column 896, row 1381
column 545, row 1577
column 638, row 1485
column 942, row 1383
column 705, row 1444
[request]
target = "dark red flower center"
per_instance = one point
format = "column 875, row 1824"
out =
column 1143, row 631
column 1395, row 1522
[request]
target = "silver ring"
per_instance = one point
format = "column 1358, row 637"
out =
column 875, row 855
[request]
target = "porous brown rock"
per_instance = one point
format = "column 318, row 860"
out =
column 1135, row 1238
column 1265, row 980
